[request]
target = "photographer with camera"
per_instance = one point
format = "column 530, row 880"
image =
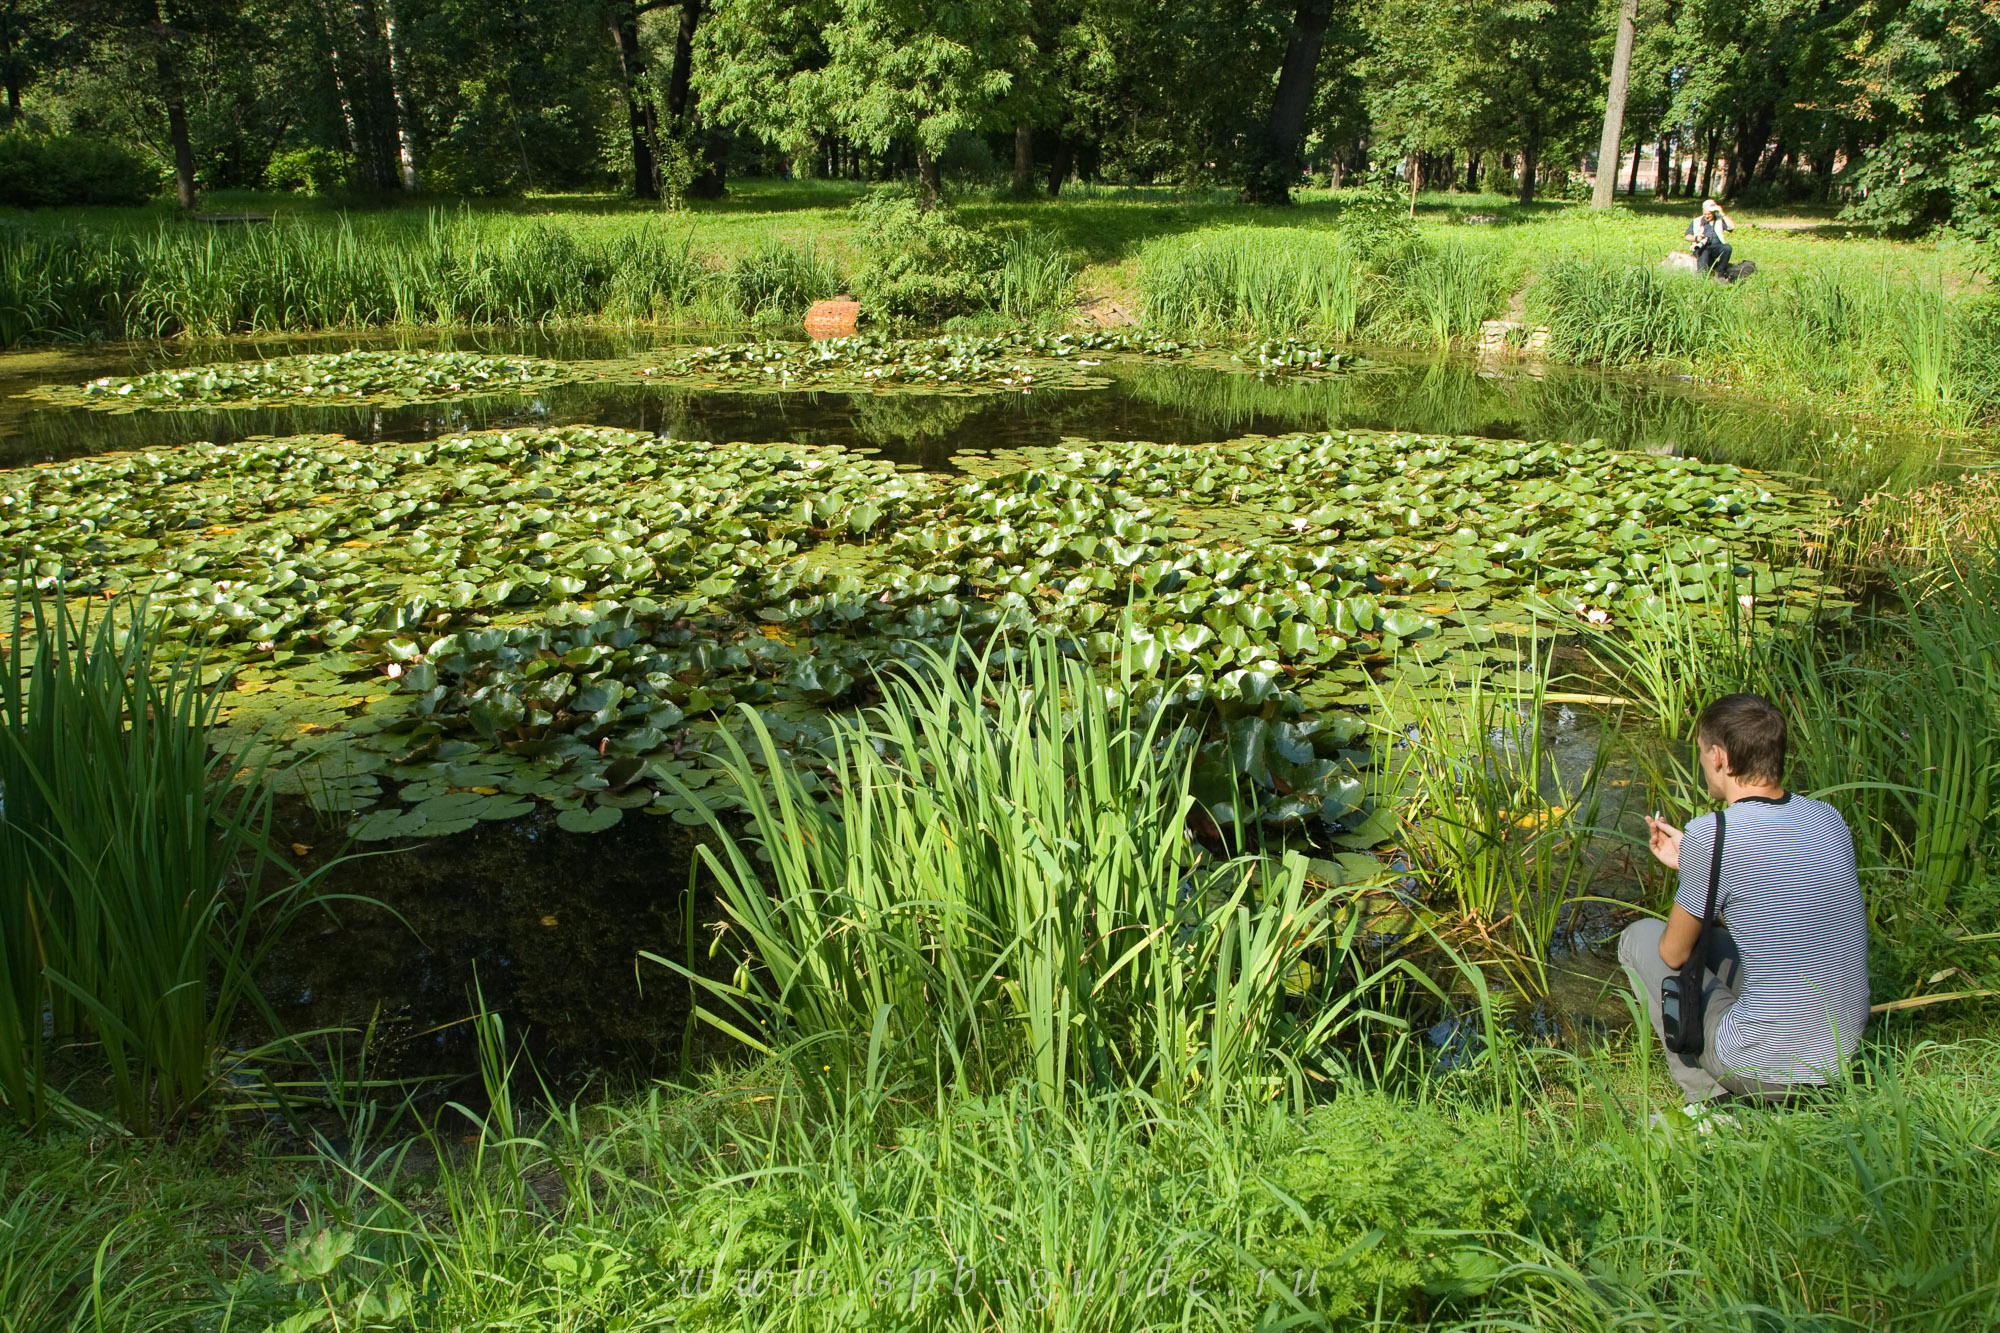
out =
column 1757, row 982
column 1706, row 236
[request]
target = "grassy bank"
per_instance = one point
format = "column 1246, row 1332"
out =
column 1512, row 1194
column 1019, row 1052
column 1834, row 318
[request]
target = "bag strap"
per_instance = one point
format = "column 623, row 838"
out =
column 1714, row 880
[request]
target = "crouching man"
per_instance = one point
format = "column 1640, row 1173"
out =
column 1786, row 987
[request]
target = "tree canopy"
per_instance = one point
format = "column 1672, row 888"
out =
column 1888, row 107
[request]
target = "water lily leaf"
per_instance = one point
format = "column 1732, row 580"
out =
column 591, row 819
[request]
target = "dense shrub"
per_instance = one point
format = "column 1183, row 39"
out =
column 310, row 171
column 921, row 265
column 51, row 170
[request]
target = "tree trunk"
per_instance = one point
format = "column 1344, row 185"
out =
column 406, row 120
column 1753, row 135
column 1663, row 167
column 638, row 106
column 1614, row 106
column 1531, row 156
column 343, row 87
column 1059, row 169
column 1708, row 163
column 1472, row 156
column 1024, row 161
column 371, row 72
column 168, row 67
column 711, row 181
column 1277, row 167
column 1632, row 184
column 680, row 80
column 930, row 179
column 1413, row 167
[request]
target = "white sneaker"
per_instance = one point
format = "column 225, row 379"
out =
column 1700, row 1116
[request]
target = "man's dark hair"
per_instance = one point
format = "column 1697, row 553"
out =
column 1751, row 731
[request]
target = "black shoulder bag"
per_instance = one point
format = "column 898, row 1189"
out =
column 1681, row 995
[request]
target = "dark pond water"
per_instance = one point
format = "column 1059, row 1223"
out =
column 547, row 924
column 1163, row 403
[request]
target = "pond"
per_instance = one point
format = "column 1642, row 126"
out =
column 515, row 871
column 1170, row 404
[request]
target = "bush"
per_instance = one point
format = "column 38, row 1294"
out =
column 310, row 171
column 1384, row 1183
column 921, row 265
column 52, row 170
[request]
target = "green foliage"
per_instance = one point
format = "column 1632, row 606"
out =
column 922, row 264
column 778, row 281
column 41, row 171
column 70, row 1262
column 1005, row 892
column 1253, row 280
column 1624, row 314
column 1400, row 1197
column 1036, row 279
column 310, row 171
column 142, row 858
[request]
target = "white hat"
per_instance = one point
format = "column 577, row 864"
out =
column 1707, row 204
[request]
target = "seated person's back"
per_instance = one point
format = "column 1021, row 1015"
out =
column 1792, row 904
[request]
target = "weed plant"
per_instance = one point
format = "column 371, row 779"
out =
column 1011, row 891
column 140, row 892
column 1252, row 280
column 1490, row 822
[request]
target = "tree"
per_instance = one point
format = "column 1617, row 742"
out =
column 1614, row 105
column 1275, row 165
column 167, row 67
column 30, row 40
column 879, row 71
column 1925, row 76
column 1534, row 68
column 1422, row 82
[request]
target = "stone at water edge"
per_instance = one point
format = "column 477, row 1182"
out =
column 833, row 319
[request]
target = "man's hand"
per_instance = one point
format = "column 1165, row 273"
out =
column 1665, row 840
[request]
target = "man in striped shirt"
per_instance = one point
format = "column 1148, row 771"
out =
column 1786, row 991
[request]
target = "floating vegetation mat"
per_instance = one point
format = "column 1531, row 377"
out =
column 1301, row 360
column 331, row 379
column 441, row 633
column 872, row 362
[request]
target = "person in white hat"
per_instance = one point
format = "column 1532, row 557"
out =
column 1705, row 236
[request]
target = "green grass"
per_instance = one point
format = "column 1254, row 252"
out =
column 1835, row 318
column 1525, row 1191
column 139, row 892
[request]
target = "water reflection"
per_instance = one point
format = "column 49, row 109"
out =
column 1148, row 401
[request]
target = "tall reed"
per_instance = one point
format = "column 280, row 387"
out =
column 1253, row 280
column 996, row 877
column 1036, row 277
column 1446, row 289
column 1623, row 314
column 136, row 859
column 1490, row 820
column 444, row 268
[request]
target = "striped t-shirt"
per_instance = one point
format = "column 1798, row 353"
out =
column 1792, row 903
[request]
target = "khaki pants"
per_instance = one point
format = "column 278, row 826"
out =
column 1706, row 1077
